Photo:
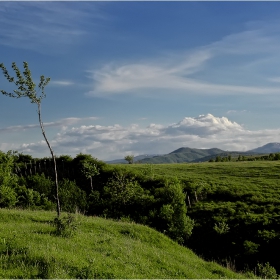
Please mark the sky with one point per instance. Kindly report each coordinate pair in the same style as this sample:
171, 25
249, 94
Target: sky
142, 77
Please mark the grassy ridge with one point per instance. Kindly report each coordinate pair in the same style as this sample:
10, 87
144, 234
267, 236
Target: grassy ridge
100, 248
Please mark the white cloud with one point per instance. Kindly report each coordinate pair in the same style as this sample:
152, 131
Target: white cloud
181, 72
203, 126
111, 142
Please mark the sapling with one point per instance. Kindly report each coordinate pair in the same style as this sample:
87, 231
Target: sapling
27, 88
89, 170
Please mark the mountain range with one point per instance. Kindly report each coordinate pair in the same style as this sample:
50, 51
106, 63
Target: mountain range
191, 155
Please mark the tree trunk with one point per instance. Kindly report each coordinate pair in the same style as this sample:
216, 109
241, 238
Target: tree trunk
54, 161
91, 183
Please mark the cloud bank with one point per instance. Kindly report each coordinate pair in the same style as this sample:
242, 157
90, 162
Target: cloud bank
115, 141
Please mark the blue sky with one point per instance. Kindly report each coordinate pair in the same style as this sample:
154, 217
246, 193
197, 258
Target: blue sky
142, 77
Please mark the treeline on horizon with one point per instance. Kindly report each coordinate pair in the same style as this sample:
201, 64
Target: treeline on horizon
237, 227
271, 156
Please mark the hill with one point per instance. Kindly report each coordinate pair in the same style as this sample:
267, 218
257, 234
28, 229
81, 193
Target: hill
268, 148
183, 155
100, 248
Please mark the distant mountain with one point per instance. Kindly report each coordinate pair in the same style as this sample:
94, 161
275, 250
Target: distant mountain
183, 155
190, 155
267, 149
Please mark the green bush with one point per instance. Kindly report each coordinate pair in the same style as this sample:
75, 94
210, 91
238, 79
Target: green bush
40, 183
65, 226
171, 217
266, 271
8, 197
72, 198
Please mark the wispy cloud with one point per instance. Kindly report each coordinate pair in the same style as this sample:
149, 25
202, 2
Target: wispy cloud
60, 123
229, 112
40, 26
274, 80
62, 83
110, 142
182, 73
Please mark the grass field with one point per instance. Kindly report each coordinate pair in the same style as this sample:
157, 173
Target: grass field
100, 248
248, 175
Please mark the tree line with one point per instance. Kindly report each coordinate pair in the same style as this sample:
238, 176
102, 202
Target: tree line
271, 156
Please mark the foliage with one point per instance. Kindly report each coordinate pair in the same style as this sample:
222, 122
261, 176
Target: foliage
8, 196
148, 171
266, 271
123, 194
129, 158
72, 198
41, 183
8, 180
221, 227
7, 175
29, 198
172, 217
65, 226
89, 170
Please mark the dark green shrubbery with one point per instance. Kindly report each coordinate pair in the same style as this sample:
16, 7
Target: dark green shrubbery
171, 211
113, 193
72, 198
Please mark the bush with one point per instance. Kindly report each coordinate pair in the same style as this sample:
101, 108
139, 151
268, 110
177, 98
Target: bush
8, 197
66, 226
41, 184
71, 197
266, 271
171, 217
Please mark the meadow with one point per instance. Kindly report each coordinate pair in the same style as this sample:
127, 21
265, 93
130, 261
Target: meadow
99, 248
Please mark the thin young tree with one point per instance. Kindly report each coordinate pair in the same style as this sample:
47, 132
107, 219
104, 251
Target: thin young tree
27, 88
89, 170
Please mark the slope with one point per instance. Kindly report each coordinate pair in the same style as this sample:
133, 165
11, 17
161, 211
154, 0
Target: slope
100, 248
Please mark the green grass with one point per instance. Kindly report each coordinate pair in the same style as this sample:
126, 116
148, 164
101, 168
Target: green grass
99, 248
249, 175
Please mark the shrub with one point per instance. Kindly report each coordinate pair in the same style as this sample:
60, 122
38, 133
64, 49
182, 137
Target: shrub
71, 196
171, 217
66, 226
8, 197
266, 271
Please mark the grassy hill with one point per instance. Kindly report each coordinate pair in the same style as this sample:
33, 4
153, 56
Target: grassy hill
99, 248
